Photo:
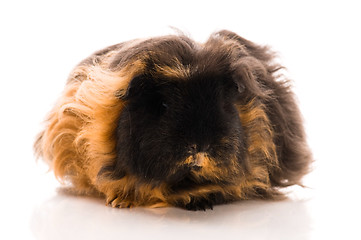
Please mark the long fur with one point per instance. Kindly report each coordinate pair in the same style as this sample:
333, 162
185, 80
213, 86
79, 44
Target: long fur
81, 138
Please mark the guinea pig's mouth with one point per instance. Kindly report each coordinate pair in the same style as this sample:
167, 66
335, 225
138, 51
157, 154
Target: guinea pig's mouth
188, 182
192, 173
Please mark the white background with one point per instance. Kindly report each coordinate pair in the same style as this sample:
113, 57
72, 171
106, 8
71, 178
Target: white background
319, 43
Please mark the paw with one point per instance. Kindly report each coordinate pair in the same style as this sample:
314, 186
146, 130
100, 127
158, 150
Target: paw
119, 202
199, 204
204, 202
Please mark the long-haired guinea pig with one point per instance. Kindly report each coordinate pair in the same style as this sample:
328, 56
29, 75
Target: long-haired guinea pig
167, 121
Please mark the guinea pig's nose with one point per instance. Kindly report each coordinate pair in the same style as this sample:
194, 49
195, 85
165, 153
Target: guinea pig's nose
198, 161
193, 149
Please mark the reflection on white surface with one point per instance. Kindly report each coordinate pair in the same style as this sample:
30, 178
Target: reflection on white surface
69, 217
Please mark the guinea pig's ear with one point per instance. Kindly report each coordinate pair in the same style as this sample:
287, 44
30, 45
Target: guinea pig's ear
240, 86
236, 85
250, 76
135, 87
253, 69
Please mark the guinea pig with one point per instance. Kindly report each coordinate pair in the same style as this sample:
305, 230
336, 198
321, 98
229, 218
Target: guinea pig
168, 121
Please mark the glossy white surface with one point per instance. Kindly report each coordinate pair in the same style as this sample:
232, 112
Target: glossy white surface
48, 213
318, 42
89, 219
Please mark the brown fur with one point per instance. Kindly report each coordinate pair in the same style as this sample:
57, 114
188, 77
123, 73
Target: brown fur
79, 136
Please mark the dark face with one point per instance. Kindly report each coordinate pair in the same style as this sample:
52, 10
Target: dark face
172, 129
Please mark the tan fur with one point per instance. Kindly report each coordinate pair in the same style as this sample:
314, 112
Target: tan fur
260, 145
177, 70
79, 137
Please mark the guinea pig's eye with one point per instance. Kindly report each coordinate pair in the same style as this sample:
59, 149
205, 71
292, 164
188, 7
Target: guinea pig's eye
161, 108
164, 105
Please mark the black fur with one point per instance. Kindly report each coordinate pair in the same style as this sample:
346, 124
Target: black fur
176, 115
